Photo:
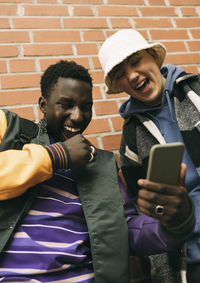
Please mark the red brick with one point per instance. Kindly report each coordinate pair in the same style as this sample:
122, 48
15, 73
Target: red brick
98, 76
194, 45
3, 67
169, 34
22, 65
32, 23
190, 69
56, 36
20, 81
126, 2
4, 23
93, 141
96, 62
189, 12
47, 49
19, 97
149, 22
195, 33
181, 59
184, 2
93, 35
93, 2
96, 92
85, 23
97, 126
45, 10
111, 142
8, 10
117, 11
159, 12
157, 2
173, 46
8, 51
188, 22
105, 107
118, 95
44, 63
86, 48
47, 1
25, 112
83, 11
18, 1
14, 36
117, 123
120, 23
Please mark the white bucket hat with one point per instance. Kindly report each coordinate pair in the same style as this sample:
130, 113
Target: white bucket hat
118, 47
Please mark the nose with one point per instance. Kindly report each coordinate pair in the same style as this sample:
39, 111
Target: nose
132, 74
76, 114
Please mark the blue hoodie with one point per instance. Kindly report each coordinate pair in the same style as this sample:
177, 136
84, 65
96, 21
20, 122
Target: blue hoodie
165, 119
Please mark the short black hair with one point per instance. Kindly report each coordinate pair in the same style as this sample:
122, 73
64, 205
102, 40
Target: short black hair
63, 69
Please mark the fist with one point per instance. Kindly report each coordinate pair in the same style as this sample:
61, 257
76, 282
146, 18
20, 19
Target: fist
80, 150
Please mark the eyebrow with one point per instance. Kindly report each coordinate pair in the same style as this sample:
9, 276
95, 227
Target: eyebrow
117, 67
134, 55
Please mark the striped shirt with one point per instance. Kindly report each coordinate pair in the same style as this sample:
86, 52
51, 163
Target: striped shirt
52, 242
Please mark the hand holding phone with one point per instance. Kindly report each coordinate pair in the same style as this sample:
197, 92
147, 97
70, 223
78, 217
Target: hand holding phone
165, 163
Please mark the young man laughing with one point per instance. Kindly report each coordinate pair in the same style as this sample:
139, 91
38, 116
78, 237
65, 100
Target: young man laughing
64, 211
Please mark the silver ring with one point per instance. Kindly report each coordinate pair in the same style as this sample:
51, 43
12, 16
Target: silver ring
91, 158
93, 149
159, 209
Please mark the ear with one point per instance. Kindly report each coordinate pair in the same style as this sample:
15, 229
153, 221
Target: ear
42, 104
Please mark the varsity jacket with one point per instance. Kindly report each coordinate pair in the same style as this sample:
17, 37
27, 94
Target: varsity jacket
100, 199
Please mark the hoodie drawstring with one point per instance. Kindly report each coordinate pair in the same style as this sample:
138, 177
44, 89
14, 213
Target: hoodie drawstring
167, 95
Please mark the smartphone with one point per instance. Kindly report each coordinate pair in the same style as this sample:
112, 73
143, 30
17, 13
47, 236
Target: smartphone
165, 163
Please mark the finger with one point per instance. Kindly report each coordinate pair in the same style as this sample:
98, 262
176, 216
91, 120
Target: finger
145, 207
155, 198
158, 187
182, 174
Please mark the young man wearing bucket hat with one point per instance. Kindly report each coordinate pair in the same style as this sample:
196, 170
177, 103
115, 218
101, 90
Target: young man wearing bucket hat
163, 107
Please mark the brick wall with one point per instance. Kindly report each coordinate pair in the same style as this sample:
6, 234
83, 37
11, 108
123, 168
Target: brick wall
37, 33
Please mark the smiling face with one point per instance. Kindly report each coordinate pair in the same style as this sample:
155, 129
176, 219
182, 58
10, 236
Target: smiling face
68, 109
140, 77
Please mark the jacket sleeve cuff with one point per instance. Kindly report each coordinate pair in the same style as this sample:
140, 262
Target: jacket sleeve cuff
59, 155
170, 231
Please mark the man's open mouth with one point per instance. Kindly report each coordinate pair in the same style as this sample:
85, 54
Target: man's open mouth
71, 129
142, 85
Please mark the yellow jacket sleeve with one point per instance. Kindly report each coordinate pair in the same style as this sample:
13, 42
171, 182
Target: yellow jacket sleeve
22, 169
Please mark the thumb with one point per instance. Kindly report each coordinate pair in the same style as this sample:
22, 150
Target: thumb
182, 174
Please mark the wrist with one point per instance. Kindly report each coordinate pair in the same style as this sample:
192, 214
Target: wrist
187, 225
59, 155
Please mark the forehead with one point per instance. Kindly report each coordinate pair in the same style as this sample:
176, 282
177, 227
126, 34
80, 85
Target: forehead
71, 88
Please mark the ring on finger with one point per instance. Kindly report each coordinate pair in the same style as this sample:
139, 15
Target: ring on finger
159, 209
91, 158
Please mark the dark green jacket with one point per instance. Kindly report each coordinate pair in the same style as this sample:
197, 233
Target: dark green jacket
102, 205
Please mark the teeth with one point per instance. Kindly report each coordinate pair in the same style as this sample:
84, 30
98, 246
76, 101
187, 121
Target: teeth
141, 84
73, 130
